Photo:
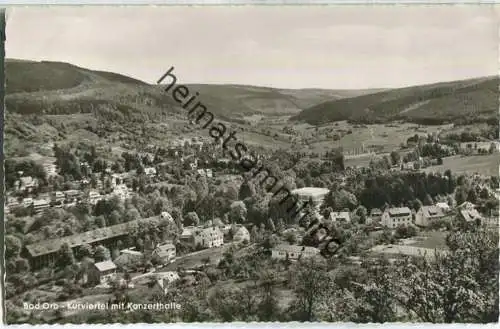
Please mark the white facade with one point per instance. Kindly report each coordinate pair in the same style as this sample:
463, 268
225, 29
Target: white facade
426, 214
340, 216
241, 235
208, 238
316, 194
394, 217
292, 252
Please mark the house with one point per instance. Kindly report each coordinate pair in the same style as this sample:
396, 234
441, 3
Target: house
58, 197
241, 235
43, 253
40, 205
27, 184
408, 166
443, 206
393, 217
27, 202
50, 169
187, 234
467, 205
150, 171
102, 272
209, 173
426, 214
11, 204
208, 238
166, 253
340, 216
165, 279
293, 252
94, 197
470, 215
166, 215
72, 195
129, 258
121, 191
375, 216
316, 194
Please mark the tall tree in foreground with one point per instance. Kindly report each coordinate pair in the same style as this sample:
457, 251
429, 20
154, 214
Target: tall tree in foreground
458, 286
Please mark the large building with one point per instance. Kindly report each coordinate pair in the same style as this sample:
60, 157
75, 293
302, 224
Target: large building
102, 272
394, 217
208, 237
293, 252
166, 252
44, 253
316, 194
426, 214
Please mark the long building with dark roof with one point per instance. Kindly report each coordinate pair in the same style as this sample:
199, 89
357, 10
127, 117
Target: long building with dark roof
44, 253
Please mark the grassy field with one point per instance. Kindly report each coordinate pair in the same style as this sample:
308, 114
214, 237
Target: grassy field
482, 164
431, 240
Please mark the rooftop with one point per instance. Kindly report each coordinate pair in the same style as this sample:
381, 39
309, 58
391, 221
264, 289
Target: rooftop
402, 211
51, 246
311, 191
105, 266
432, 211
294, 248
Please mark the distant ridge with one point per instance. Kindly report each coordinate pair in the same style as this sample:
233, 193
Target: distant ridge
456, 101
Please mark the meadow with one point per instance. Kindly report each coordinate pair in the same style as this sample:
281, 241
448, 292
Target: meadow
482, 164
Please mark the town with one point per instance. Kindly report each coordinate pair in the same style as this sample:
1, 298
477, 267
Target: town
318, 164
80, 227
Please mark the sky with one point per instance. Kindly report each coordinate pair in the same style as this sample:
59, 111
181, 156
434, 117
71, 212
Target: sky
331, 47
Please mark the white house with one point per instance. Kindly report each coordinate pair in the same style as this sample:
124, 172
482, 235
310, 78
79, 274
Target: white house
166, 215
164, 279
426, 214
293, 252
393, 217
443, 206
241, 235
340, 216
165, 252
316, 194
467, 205
40, 205
210, 237
150, 171
103, 271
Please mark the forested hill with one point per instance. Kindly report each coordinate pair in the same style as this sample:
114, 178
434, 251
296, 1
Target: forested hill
62, 88
457, 101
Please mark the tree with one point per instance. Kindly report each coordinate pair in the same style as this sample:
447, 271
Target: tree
191, 219
101, 254
247, 190
428, 200
310, 286
395, 157
238, 212
461, 285
12, 246
65, 256
472, 196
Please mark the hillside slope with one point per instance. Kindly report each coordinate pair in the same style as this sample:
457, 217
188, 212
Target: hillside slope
265, 100
62, 88
457, 101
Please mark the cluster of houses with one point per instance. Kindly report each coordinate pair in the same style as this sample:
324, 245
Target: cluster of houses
393, 217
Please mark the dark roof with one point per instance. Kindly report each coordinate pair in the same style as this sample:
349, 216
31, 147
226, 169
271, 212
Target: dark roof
51, 246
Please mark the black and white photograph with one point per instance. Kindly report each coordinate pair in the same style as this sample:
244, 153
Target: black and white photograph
222, 164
